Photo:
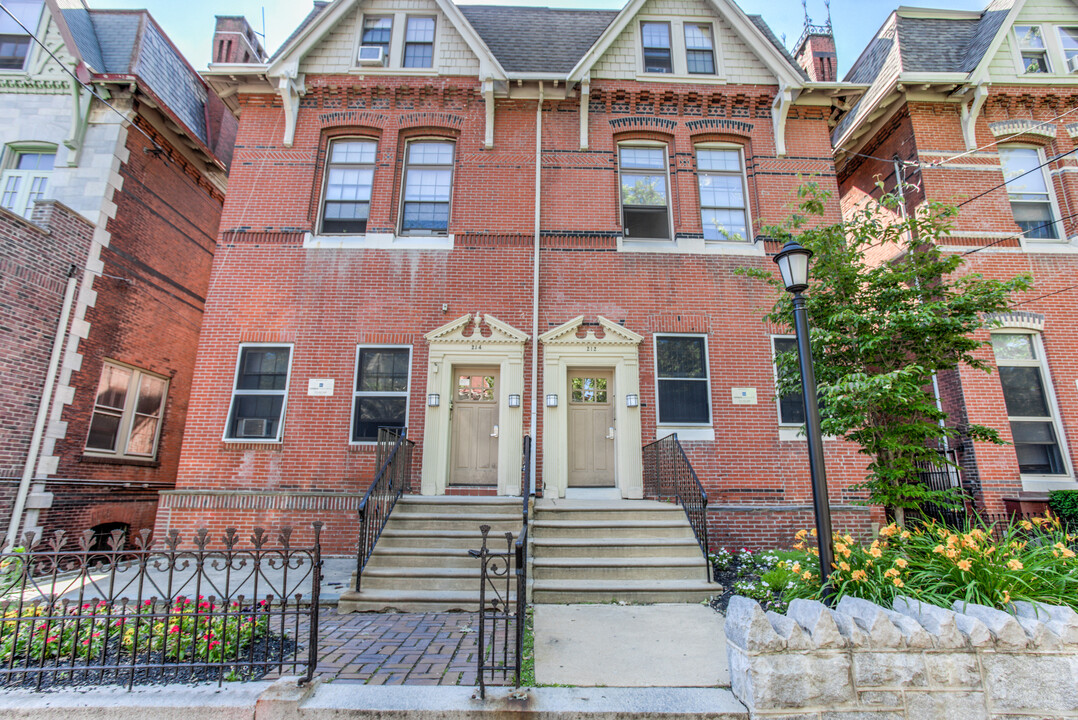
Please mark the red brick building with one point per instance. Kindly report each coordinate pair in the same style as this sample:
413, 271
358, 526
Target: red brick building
424, 228
980, 109
105, 281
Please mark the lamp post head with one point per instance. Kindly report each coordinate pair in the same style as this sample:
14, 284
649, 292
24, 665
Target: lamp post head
793, 262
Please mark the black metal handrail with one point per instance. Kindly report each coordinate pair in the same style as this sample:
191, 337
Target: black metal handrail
394, 457
668, 474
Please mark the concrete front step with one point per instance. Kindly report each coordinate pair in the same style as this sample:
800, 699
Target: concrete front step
617, 569
670, 528
455, 504
404, 519
614, 547
390, 557
631, 591
410, 600
422, 578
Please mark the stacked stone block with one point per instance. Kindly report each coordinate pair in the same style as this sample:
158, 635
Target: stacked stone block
861, 661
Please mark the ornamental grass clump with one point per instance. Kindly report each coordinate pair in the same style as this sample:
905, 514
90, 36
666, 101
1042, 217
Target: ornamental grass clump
1032, 560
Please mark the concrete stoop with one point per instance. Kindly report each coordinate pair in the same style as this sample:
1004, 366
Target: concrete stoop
284, 700
421, 561
599, 551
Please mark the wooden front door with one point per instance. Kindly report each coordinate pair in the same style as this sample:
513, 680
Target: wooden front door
591, 428
474, 426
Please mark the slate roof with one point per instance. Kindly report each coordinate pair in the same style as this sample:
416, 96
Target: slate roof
763, 27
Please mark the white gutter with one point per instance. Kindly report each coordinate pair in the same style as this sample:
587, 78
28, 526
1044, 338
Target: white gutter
535, 280
42, 412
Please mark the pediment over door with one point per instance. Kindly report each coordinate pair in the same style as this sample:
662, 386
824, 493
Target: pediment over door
613, 334
469, 329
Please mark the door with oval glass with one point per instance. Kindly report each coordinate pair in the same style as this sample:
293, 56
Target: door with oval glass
474, 426
591, 428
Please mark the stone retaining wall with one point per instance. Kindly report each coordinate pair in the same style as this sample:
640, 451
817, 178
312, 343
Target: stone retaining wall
861, 661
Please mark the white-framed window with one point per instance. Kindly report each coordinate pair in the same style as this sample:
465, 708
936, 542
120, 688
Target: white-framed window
1030, 400
380, 393
346, 200
1068, 42
418, 42
1030, 192
25, 179
655, 42
699, 48
260, 393
792, 405
643, 175
683, 383
428, 187
377, 33
724, 207
1032, 49
15, 43
127, 414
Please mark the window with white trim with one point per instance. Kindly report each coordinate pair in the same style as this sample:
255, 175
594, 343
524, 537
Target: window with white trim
26, 178
380, 397
126, 419
259, 394
419, 43
1030, 411
699, 49
1027, 181
655, 40
645, 206
1068, 41
791, 405
723, 193
681, 373
346, 203
1032, 49
377, 32
428, 187
14, 41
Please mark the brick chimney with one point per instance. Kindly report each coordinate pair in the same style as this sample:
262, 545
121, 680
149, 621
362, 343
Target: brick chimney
816, 53
235, 42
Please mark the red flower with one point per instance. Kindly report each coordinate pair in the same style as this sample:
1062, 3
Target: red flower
52, 638
174, 629
214, 644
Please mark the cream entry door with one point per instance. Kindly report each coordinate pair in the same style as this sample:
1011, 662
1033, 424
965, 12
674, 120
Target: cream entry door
591, 428
474, 426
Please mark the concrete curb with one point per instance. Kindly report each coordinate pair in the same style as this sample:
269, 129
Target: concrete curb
285, 700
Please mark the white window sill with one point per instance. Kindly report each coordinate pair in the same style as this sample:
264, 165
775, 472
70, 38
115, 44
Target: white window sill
688, 434
691, 246
1057, 247
409, 72
252, 441
1044, 483
380, 241
671, 77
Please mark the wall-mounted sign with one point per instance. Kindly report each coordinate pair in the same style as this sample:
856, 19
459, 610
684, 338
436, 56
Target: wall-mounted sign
744, 396
320, 388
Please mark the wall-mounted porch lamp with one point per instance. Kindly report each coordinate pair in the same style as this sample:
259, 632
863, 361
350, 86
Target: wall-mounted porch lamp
632, 400
552, 400
434, 400
514, 401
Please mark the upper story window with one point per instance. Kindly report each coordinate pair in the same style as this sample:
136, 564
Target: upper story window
1029, 403
655, 38
126, 419
645, 203
14, 41
26, 178
699, 49
1032, 48
259, 394
684, 391
1029, 191
1068, 40
791, 405
419, 43
723, 192
346, 201
381, 394
377, 33
428, 186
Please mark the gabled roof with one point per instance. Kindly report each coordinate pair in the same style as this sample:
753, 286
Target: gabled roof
537, 39
319, 7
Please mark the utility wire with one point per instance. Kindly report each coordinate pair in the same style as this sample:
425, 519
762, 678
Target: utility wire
1021, 234
1027, 172
1042, 297
1003, 139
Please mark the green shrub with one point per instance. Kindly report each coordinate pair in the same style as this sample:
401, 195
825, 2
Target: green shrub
1064, 503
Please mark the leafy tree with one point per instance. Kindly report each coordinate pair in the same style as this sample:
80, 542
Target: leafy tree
643, 191
881, 329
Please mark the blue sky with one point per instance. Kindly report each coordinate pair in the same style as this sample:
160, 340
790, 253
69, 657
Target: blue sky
190, 23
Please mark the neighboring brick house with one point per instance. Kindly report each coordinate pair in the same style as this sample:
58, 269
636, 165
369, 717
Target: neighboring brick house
128, 200
980, 109
384, 234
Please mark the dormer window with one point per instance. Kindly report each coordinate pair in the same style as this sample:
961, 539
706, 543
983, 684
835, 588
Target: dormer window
419, 43
699, 49
1068, 39
656, 43
14, 42
1032, 48
377, 33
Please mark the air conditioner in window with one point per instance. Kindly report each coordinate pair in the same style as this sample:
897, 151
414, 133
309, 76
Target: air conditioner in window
1072, 64
252, 427
372, 55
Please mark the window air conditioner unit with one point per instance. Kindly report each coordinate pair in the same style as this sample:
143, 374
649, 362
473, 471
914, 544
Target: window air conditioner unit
372, 55
253, 427
1072, 64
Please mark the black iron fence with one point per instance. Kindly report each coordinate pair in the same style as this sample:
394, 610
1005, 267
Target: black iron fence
502, 605
668, 475
943, 475
142, 612
394, 462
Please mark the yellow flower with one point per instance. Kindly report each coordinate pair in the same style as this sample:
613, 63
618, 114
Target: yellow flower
888, 531
938, 549
1025, 525
847, 538
1068, 553
806, 575
801, 534
796, 567
844, 566
839, 547
812, 532
905, 535
875, 552
964, 565
891, 572
898, 582
952, 540
901, 562
1006, 596
951, 553
846, 553
1015, 564
858, 575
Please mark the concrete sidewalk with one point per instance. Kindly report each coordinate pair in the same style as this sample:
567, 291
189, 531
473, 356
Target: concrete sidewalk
630, 646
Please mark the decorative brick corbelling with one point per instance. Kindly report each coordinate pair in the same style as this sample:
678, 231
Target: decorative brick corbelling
1019, 319
1005, 128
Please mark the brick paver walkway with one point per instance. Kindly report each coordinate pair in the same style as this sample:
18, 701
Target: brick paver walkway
398, 648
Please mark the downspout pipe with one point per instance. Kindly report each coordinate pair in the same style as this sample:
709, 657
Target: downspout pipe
42, 411
535, 283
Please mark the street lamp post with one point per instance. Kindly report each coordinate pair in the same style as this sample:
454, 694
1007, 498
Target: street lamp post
793, 262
